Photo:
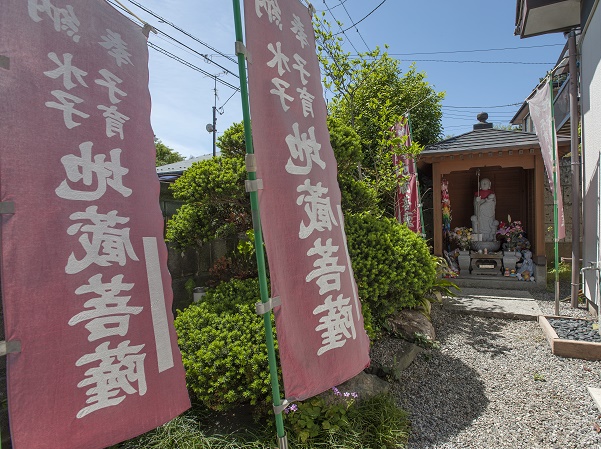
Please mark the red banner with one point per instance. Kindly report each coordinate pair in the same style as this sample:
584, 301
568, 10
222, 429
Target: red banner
406, 206
321, 337
85, 285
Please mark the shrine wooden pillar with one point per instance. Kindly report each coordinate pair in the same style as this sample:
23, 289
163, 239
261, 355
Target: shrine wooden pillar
437, 198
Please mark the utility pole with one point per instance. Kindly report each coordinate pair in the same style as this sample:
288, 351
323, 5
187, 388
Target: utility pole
212, 127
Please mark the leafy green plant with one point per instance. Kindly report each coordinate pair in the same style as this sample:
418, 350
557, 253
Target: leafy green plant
341, 420
240, 264
189, 287
564, 270
424, 341
223, 347
375, 423
310, 418
392, 265
539, 377
442, 286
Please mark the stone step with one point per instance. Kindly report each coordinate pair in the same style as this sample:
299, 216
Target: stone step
486, 283
506, 304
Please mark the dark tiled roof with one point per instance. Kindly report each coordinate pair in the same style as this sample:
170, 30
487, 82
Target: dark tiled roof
486, 139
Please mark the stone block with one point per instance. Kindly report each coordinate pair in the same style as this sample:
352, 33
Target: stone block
407, 323
405, 356
365, 385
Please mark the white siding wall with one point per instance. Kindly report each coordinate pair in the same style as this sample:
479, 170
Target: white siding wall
590, 82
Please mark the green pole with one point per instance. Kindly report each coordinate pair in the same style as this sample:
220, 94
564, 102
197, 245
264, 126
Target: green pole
256, 217
555, 208
419, 195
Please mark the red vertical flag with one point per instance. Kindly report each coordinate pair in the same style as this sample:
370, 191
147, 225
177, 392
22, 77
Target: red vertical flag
85, 286
321, 335
406, 205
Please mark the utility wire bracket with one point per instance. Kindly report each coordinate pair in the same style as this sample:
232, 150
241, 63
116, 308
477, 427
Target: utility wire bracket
10, 347
241, 49
7, 207
147, 29
254, 185
251, 162
266, 307
277, 409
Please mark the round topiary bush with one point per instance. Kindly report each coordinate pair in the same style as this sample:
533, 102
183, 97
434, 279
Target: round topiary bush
222, 341
393, 266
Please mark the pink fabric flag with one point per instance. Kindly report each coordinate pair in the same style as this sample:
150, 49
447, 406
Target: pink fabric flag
85, 285
540, 110
406, 205
321, 336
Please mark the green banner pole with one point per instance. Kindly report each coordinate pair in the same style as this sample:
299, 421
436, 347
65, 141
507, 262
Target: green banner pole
555, 208
419, 195
256, 217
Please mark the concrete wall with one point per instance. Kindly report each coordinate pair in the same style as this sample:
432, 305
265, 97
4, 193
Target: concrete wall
194, 263
590, 86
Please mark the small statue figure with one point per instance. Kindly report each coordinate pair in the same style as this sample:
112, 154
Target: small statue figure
483, 220
526, 271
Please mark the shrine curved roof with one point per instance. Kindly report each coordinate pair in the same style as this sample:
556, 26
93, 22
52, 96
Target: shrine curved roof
490, 139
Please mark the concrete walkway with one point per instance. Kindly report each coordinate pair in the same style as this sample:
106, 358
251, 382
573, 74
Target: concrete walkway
508, 304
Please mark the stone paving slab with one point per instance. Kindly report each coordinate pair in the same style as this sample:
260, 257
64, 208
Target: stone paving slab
596, 395
507, 304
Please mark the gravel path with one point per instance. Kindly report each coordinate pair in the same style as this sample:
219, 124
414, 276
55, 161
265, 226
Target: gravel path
495, 384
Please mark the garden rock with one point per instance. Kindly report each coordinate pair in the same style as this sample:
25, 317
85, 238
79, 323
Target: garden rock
365, 385
407, 323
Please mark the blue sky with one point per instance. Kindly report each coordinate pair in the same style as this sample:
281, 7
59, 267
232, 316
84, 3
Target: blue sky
442, 30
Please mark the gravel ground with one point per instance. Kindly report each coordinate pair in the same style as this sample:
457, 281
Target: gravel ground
495, 384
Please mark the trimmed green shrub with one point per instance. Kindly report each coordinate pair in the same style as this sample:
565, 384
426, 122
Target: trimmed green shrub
228, 295
393, 266
216, 204
222, 341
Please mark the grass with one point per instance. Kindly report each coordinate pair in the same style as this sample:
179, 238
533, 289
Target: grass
377, 424
564, 271
185, 432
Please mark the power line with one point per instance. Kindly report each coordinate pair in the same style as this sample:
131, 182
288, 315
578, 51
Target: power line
483, 62
340, 26
162, 19
342, 2
205, 57
474, 51
185, 48
472, 61
484, 107
467, 114
357, 29
190, 65
358, 22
